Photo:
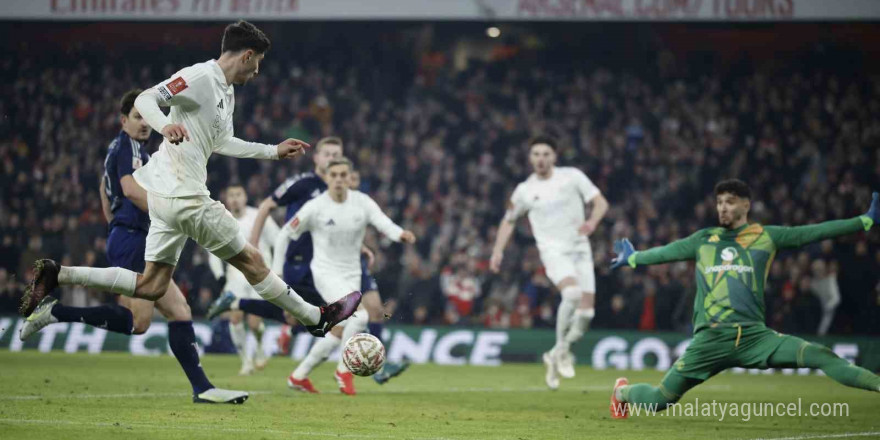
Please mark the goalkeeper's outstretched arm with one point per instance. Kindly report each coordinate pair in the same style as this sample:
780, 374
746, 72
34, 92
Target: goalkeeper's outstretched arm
679, 250
797, 236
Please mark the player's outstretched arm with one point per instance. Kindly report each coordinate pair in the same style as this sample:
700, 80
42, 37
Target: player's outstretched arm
797, 236
236, 147
385, 225
679, 250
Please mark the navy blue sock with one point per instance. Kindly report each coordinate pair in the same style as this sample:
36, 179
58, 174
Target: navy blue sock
112, 317
182, 340
375, 329
262, 308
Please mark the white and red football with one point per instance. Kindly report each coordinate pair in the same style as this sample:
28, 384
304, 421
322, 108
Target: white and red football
363, 354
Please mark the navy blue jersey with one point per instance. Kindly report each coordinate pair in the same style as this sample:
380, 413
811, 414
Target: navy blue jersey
123, 157
294, 193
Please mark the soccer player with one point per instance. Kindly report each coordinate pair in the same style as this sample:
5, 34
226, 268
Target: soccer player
294, 267
202, 102
236, 285
373, 302
126, 210
733, 260
338, 221
554, 198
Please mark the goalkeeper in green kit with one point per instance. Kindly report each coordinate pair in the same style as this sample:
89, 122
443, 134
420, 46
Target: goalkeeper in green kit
732, 263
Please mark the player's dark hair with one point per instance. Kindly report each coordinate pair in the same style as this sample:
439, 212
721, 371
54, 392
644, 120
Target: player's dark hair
329, 140
544, 139
127, 101
733, 186
242, 36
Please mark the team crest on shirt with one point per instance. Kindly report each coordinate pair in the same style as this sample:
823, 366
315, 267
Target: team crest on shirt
136, 162
330, 222
714, 239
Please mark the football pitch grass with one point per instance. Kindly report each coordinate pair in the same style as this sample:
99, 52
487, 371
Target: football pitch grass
113, 396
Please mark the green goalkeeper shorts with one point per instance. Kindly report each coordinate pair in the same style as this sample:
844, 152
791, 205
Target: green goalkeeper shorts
713, 350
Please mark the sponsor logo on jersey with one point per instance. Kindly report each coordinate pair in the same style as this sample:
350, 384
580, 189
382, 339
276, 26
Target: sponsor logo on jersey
177, 85
738, 268
729, 254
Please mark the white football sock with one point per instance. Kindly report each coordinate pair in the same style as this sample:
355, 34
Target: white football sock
355, 324
258, 333
579, 325
317, 354
274, 290
571, 296
113, 279
238, 334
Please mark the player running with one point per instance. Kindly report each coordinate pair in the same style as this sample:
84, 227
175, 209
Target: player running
554, 198
294, 263
125, 205
733, 261
235, 284
202, 102
338, 221
373, 302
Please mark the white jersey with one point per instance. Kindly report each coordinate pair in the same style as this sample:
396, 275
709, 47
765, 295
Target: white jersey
235, 280
555, 208
338, 231
203, 102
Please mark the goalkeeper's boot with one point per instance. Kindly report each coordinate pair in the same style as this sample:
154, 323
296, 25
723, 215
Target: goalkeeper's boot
619, 410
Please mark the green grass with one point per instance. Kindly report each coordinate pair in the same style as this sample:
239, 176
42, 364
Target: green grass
113, 396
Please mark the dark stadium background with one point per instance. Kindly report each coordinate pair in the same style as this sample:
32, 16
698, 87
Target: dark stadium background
435, 116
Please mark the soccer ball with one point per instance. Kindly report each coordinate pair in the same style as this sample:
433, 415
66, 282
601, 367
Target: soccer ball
363, 354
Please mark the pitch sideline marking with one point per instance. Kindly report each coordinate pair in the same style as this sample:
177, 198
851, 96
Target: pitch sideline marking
165, 426
806, 437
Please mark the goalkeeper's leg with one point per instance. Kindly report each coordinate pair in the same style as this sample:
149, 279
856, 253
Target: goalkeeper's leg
797, 353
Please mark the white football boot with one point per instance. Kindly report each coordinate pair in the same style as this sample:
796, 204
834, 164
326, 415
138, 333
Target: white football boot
39, 318
552, 376
564, 363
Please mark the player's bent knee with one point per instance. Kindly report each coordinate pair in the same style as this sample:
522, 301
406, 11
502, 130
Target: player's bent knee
140, 325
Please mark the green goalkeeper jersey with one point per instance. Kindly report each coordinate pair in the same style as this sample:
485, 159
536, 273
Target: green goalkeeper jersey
733, 264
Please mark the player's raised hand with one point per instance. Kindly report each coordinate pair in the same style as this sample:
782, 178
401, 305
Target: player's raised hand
874, 210
408, 237
291, 148
495, 262
623, 248
175, 133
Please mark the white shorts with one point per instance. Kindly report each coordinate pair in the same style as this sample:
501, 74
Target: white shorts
333, 286
174, 219
577, 265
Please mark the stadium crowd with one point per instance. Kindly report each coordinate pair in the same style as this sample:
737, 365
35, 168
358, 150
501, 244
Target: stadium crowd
441, 149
